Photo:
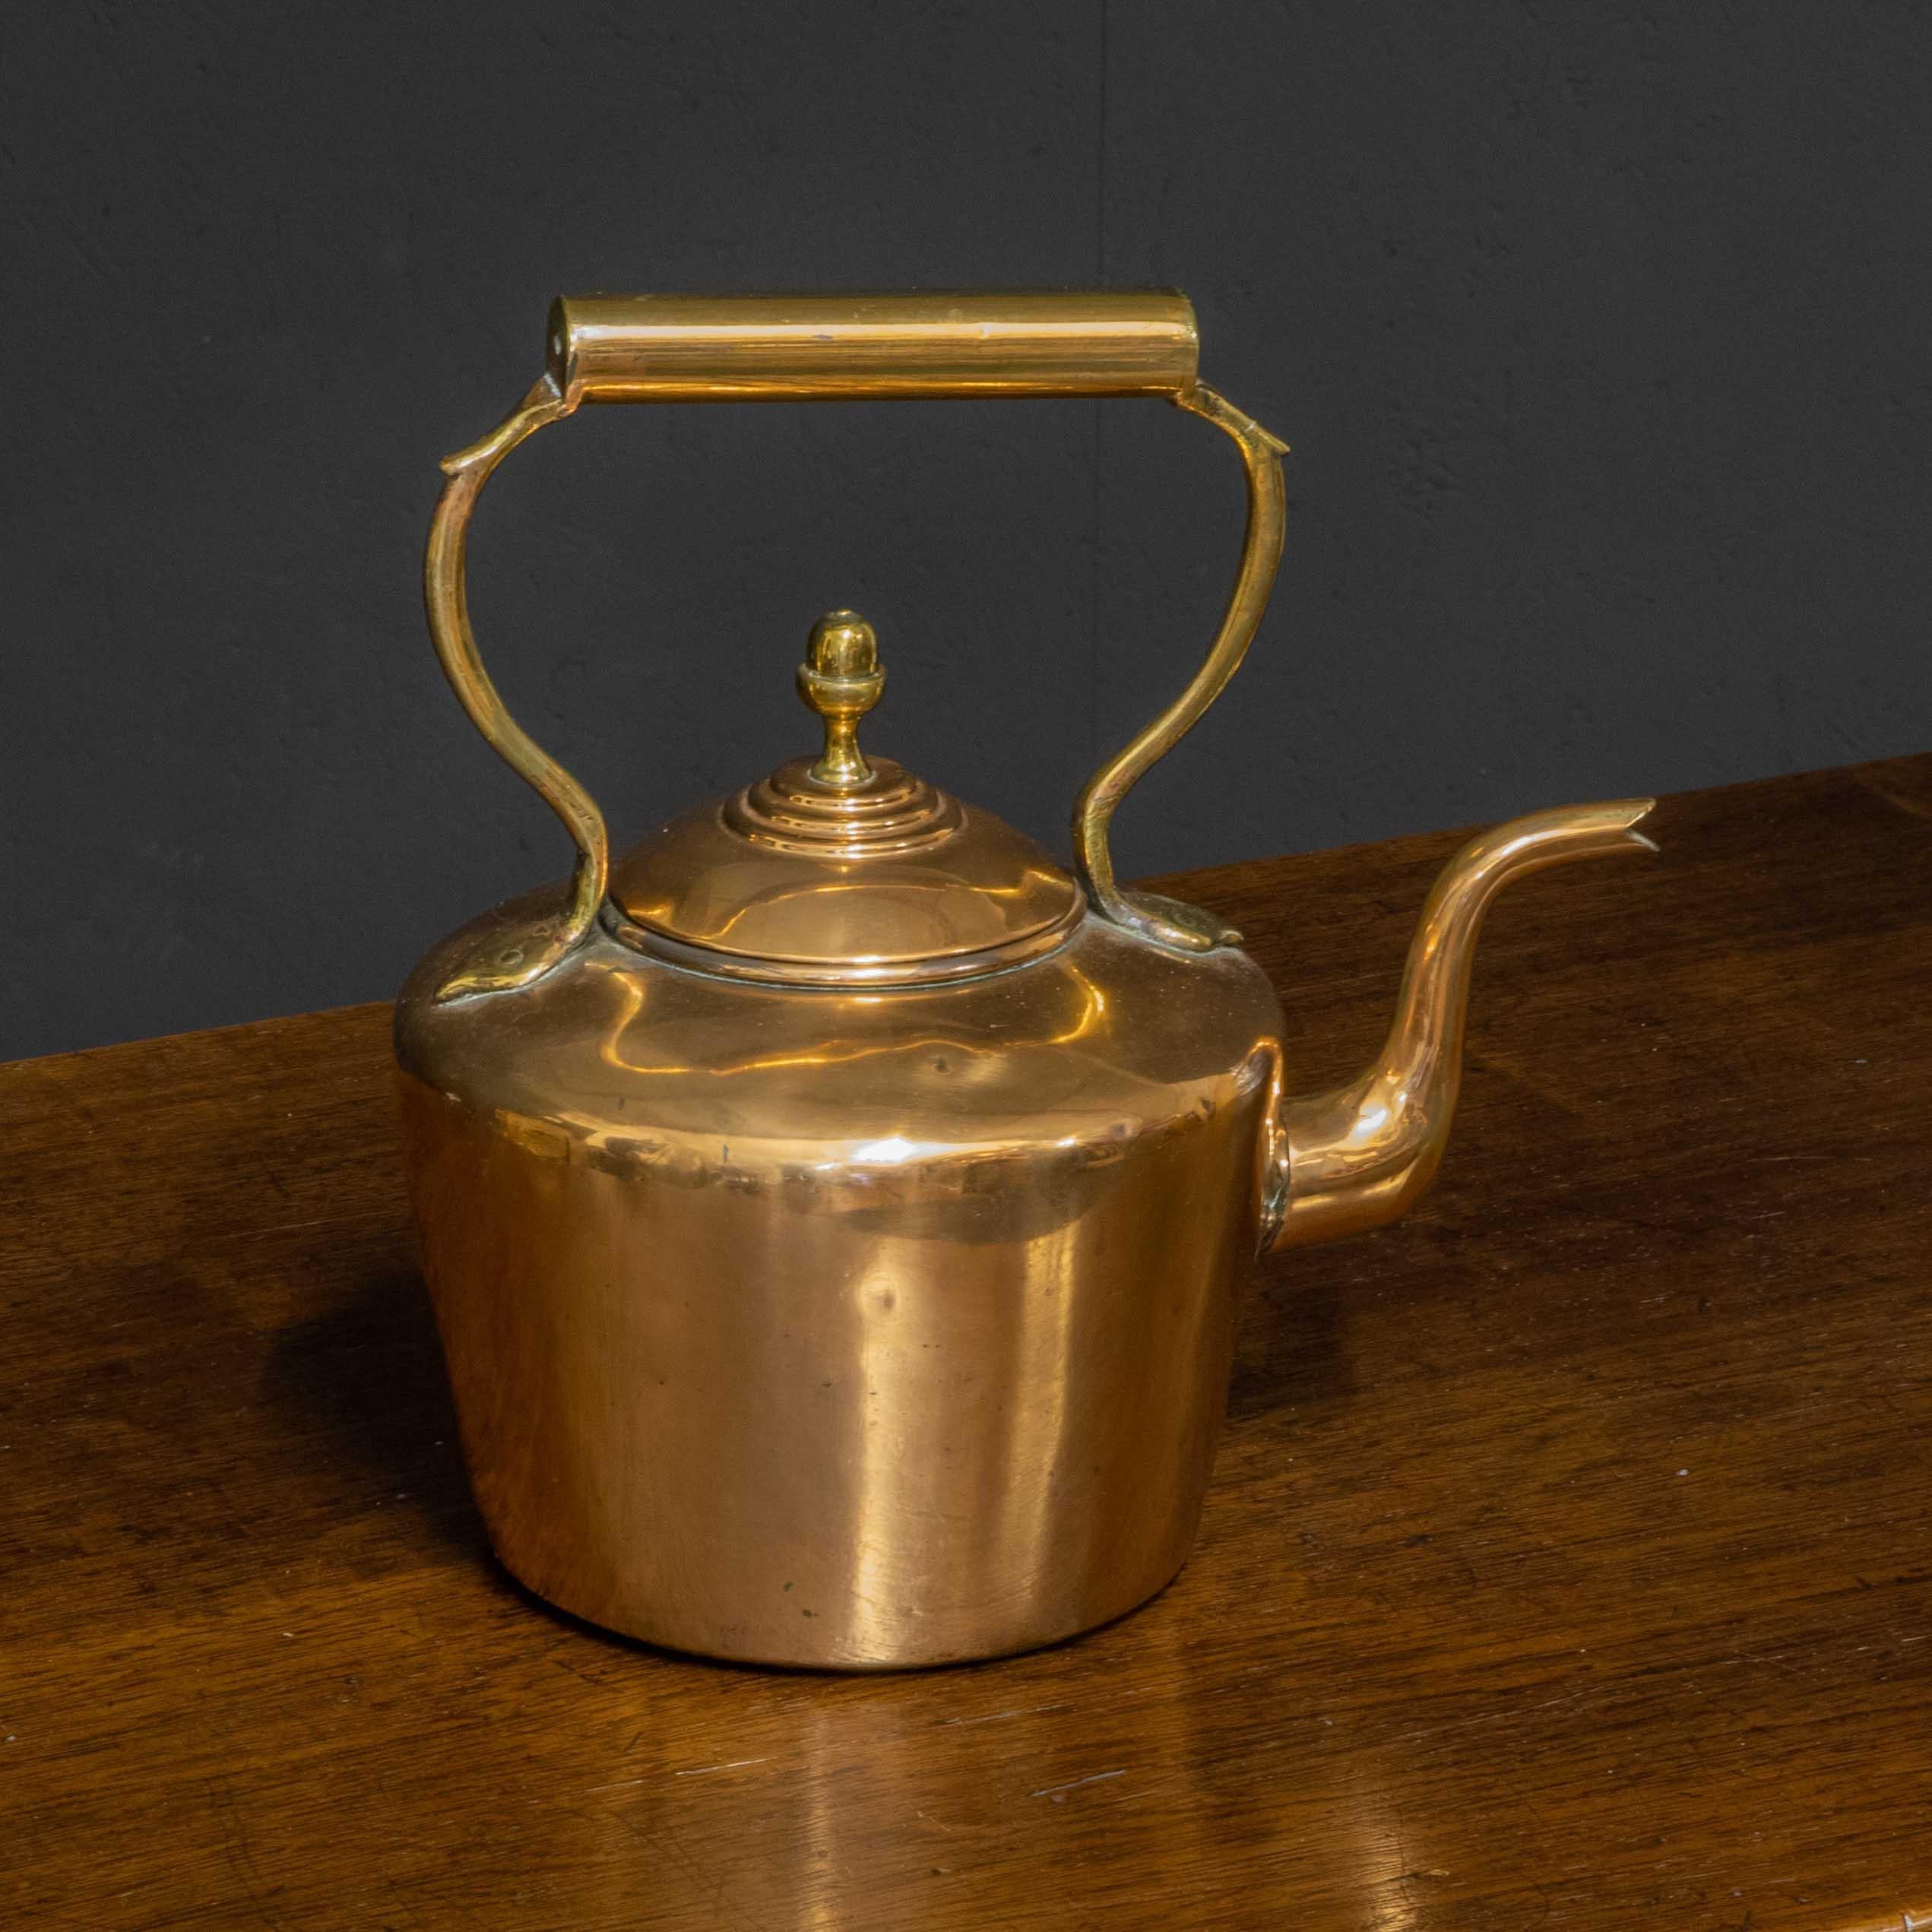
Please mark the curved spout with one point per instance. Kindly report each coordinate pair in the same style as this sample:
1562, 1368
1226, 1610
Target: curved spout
1359, 1155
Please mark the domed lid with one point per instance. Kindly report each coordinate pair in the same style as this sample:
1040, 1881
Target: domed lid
841, 870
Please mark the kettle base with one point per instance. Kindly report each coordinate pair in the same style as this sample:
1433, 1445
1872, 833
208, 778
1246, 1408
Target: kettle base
817, 1657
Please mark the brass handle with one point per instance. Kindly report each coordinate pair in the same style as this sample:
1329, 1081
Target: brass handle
653, 348
763, 348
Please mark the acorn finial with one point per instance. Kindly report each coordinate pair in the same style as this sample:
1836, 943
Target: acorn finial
840, 680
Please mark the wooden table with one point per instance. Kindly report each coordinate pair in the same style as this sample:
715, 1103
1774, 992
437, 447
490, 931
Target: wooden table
1569, 1563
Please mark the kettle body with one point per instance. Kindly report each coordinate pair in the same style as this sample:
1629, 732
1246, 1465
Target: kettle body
837, 1329
837, 1212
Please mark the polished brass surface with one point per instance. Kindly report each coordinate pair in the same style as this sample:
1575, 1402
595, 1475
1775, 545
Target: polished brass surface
887, 814
1358, 1155
1261, 557
843, 871
889, 882
739, 348
842, 1328
836, 1211
840, 680
446, 598
668, 348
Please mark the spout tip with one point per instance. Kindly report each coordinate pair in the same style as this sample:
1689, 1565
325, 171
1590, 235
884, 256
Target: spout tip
1632, 812
1543, 838
1620, 811
1577, 830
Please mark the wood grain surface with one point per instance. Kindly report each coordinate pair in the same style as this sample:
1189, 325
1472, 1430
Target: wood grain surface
1568, 1563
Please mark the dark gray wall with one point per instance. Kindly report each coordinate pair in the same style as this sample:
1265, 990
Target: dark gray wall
1599, 330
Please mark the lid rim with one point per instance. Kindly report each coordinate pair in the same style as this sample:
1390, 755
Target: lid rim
803, 974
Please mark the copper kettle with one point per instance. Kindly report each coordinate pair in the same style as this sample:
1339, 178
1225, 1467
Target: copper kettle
836, 1211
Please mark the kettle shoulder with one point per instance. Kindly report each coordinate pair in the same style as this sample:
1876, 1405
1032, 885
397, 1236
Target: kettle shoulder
1110, 1035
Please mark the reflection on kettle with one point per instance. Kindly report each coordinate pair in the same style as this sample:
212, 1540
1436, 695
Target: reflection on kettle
836, 1211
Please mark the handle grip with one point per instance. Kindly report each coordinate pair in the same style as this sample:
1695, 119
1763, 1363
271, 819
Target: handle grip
750, 348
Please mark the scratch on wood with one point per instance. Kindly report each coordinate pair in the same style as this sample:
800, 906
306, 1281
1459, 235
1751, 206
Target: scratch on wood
994, 1717
694, 1771
1099, 1777
1497, 1716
